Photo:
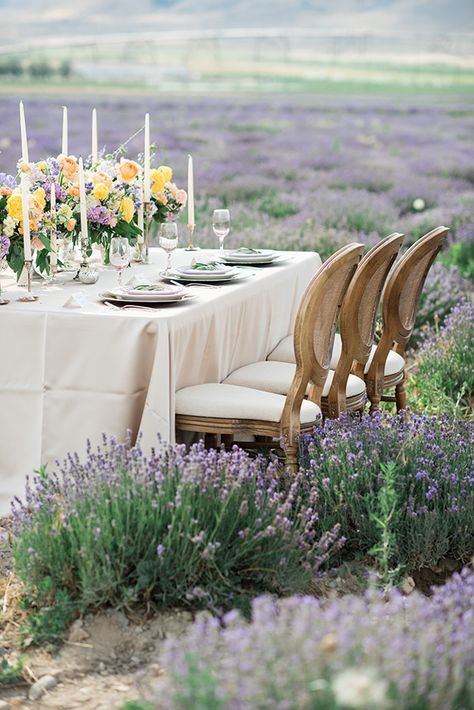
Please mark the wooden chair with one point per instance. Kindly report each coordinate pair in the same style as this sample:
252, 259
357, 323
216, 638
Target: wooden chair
386, 365
357, 324
226, 409
342, 391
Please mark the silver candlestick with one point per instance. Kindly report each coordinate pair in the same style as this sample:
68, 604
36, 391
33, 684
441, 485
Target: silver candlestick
191, 246
87, 273
28, 297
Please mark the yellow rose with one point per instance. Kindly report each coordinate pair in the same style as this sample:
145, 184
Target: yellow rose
128, 208
101, 191
128, 170
101, 176
40, 197
157, 182
43, 166
14, 207
163, 199
166, 172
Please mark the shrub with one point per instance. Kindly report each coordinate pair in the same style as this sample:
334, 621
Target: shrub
202, 528
354, 652
444, 288
423, 463
445, 373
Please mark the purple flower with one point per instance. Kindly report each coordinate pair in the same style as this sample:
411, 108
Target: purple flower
4, 246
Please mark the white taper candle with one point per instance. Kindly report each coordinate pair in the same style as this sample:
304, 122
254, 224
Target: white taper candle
146, 159
83, 206
94, 136
190, 191
25, 198
24, 138
141, 237
52, 201
64, 146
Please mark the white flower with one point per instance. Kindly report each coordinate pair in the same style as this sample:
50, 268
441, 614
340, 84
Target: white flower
360, 688
419, 204
9, 226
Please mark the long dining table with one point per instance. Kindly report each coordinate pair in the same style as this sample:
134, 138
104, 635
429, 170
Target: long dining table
74, 368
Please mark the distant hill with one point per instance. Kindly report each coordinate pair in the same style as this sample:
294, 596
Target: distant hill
33, 18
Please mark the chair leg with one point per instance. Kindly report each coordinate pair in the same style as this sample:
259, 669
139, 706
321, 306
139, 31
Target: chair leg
374, 403
291, 455
401, 396
210, 441
227, 440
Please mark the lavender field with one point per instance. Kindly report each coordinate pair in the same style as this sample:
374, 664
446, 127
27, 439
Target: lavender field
296, 172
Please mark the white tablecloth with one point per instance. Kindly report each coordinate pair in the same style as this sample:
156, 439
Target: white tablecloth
70, 374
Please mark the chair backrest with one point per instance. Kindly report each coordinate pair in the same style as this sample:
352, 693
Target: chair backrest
315, 326
405, 284
359, 310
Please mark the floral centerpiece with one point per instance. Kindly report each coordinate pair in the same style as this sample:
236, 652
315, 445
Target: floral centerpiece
113, 199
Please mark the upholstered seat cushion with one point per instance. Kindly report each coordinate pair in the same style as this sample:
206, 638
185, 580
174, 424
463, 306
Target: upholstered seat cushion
226, 401
273, 376
284, 353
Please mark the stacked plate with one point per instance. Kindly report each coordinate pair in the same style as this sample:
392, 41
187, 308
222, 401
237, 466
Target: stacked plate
252, 257
147, 293
203, 272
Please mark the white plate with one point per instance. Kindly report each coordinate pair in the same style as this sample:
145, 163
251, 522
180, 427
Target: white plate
243, 257
220, 270
131, 298
204, 276
237, 275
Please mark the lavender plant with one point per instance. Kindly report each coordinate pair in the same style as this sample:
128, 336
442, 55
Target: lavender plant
445, 369
431, 479
367, 652
202, 528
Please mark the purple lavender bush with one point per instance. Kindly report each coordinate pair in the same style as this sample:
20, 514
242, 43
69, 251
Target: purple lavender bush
412, 477
197, 528
369, 652
444, 381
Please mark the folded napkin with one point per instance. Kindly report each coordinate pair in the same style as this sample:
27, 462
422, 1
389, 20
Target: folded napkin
77, 300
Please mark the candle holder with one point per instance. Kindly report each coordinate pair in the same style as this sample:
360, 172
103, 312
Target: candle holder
144, 247
87, 273
28, 297
53, 264
191, 246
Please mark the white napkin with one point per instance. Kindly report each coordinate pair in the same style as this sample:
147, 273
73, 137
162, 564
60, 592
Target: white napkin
77, 300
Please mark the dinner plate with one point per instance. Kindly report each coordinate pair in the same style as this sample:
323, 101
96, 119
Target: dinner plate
164, 292
276, 259
194, 275
131, 298
249, 257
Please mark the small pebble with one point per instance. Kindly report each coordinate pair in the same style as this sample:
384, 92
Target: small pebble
4, 705
46, 682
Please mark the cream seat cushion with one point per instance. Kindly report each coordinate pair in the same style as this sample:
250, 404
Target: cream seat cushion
273, 376
230, 402
284, 353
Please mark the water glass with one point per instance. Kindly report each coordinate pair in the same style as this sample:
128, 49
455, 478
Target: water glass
221, 226
119, 255
168, 241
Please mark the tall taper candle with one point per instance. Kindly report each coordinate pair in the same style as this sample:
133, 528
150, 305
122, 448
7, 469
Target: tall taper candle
25, 196
94, 136
82, 198
141, 237
54, 244
190, 191
146, 159
24, 139
64, 147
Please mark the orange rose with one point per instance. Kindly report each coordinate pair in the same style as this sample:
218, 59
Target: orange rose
25, 167
71, 224
5, 191
163, 199
69, 167
100, 176
36, 243
74, 190
127, 170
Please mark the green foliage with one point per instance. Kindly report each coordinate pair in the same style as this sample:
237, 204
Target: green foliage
461, 254
386, 519
50, 612
198, 690
137, 705
444, 381
205, 529
273, 205
10, 673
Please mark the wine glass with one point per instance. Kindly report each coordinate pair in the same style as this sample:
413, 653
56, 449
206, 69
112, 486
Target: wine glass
168, 241
119, 255
221, 226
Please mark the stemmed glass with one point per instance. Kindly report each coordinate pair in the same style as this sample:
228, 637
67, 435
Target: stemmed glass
168, 241
119, 255
221, 226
